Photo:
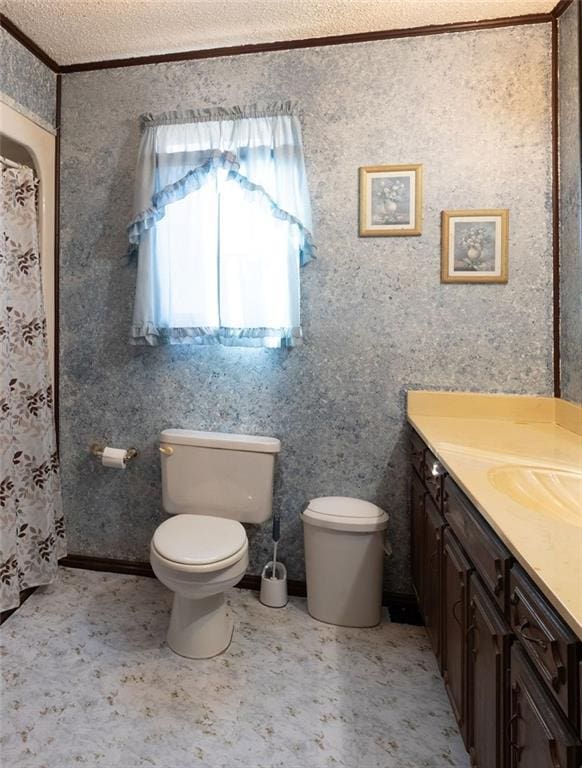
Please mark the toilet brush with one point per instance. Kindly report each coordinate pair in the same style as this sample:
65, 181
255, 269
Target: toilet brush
274, 575
276, 537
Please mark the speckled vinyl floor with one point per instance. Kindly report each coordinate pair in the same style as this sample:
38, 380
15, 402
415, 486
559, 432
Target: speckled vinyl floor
88, 681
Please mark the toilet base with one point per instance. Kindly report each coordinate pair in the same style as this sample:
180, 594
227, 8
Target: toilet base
199, 629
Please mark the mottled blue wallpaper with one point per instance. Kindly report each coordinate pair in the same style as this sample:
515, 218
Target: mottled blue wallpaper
376, 318
570, 205
26, 80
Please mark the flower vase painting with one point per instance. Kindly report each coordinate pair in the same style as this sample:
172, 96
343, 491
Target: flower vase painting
390, 200
474, 246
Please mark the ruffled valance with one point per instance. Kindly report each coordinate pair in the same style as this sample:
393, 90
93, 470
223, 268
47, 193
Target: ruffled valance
193, 180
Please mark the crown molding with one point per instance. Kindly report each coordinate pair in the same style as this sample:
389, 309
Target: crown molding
282, 45
310, 42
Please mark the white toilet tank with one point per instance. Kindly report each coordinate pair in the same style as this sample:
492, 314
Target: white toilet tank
213, 473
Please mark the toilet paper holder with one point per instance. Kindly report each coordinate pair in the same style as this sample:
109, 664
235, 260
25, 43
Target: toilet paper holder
97, 450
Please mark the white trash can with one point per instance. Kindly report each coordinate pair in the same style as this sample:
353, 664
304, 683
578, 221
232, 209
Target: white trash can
344, 558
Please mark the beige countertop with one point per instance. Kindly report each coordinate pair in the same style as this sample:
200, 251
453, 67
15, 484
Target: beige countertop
472, 435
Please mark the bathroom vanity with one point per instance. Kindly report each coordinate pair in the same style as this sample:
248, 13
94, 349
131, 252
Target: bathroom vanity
497, 567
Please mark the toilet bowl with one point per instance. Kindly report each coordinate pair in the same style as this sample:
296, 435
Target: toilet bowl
199, 557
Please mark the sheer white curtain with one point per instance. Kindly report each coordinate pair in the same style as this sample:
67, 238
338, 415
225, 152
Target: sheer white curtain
223, 224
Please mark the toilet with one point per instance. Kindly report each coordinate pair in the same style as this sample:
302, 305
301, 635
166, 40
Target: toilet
211, 483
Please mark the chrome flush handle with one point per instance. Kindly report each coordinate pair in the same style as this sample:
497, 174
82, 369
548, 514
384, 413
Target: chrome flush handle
167, 450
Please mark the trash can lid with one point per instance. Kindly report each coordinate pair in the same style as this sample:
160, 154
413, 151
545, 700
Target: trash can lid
342, 513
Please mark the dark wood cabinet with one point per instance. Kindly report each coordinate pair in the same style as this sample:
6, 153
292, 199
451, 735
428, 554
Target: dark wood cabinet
488, 645
539, 735
417, 495
427, 524
432, 574
456, 569
511, 667
550, 645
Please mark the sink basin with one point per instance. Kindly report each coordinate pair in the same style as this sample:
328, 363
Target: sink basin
551, 492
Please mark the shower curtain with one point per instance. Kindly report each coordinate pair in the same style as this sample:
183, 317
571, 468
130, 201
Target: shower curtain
32, 535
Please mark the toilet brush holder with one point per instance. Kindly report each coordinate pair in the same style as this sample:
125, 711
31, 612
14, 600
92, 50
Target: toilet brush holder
274, 586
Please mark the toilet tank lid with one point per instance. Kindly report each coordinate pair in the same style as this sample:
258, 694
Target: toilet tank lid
222, 440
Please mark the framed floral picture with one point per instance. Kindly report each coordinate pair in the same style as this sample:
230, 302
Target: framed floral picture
474, 246
390, 200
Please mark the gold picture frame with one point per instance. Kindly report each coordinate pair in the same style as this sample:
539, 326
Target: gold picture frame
474, 247
390, 200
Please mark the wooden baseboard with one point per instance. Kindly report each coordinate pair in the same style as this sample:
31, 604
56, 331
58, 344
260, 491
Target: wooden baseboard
403, 608
111, 565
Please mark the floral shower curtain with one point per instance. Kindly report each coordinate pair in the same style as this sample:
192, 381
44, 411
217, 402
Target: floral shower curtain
32, 535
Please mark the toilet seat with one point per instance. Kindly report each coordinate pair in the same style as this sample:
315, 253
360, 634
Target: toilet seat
200, 541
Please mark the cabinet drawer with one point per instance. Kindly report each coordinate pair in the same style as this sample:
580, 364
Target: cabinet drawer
417, 451
490, 557
539, 736
550, 644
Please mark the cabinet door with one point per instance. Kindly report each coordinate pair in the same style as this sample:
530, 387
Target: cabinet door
539, 735
488, 642
432, 574
455, 584
417, 494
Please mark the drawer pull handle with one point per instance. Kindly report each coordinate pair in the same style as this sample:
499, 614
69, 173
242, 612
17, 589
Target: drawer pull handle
498, 588
560, 677
454, 611
474, 645
510, 734
513, 719
530, 638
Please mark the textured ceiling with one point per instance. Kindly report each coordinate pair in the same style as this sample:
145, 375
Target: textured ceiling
75, 31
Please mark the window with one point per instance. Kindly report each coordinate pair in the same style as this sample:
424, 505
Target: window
222, 224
